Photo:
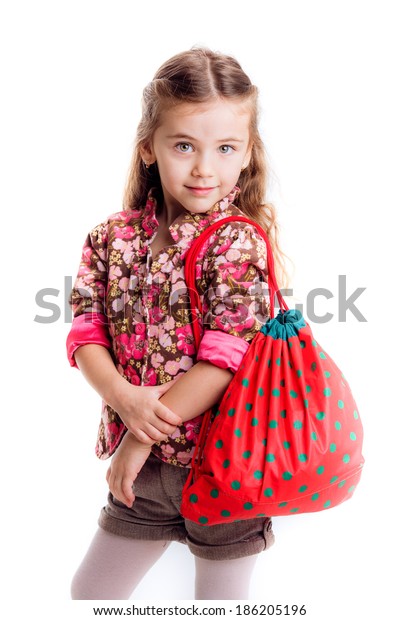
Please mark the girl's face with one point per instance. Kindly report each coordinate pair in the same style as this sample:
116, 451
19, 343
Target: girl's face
200, 151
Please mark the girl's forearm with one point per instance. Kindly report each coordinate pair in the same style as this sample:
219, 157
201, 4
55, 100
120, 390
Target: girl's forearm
193, 393
98, 368
197, 390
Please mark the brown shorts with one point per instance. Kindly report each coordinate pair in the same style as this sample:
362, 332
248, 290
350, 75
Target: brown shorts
155, 516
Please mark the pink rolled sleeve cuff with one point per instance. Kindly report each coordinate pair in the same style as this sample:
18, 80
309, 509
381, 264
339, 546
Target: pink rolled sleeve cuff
89, 328
222, 350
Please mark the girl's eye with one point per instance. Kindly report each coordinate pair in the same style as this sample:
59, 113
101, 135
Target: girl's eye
225, 149
184, 147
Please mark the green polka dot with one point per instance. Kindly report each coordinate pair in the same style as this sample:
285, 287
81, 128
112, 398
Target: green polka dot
260, 391
258, 474
341, 484
320, 415
314, 436
235, 485
246, 454
248, 506
302, 344
278, 361
346, 458
333, 479
254, 422
314, 343
353, 436
303, 488
327, 374
315, 497
287, 475
219, 443
340, 404
298, 425
270, 458
332, 447
273, 424
320, 470
290, 344
238, 432
322, 355
308, 389
290, 364
269, 363
231, 412
355, 414
351, 489
327, 391
217, 414
302, 458
338, 426
193, 498
268, 492
282, 382
257, 358
299, 373
306, 403
282, 505
214, 493
245, 382
249, 406
293, 394
203, 520
283, 413
327, 504
286, 445
226, 463
225, 513
276, 392
294, 509
313, 366
264, 442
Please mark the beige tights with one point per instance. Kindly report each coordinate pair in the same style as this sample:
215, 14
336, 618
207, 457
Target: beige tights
114, 566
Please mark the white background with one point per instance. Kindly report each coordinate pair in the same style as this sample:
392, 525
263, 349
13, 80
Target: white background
72, 76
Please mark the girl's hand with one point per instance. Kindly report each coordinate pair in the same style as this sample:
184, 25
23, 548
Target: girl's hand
126, 463
142, 413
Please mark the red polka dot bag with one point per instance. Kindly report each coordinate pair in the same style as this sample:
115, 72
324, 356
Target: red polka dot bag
287, 437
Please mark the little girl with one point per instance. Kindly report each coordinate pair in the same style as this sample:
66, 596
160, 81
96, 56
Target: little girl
198, 158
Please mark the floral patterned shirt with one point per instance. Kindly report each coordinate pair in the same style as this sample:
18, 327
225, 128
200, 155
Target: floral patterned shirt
137, 305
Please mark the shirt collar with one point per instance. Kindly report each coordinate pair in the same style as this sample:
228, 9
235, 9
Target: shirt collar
188, 225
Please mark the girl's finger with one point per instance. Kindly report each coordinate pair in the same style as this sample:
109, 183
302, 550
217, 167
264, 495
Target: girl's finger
167, 415
164, 427
127, 491
155, 433
144, 437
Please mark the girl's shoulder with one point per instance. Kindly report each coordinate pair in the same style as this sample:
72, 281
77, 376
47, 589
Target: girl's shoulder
235, 242
236, 234
124, 224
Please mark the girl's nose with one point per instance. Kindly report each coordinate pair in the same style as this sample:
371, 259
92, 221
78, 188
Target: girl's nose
202, 167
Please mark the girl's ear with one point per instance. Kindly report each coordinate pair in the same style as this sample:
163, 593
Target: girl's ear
146, 153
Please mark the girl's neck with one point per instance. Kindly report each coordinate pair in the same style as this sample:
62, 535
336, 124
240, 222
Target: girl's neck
168, 214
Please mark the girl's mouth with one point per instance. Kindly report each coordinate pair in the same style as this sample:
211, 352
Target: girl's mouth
199, 191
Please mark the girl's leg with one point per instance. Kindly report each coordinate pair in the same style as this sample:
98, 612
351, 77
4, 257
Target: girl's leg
113, 566
224, 579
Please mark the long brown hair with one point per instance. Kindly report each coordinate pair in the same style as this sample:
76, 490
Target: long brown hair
197, 76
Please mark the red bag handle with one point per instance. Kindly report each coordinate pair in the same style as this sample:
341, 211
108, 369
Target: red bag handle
190, 278
190, 275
